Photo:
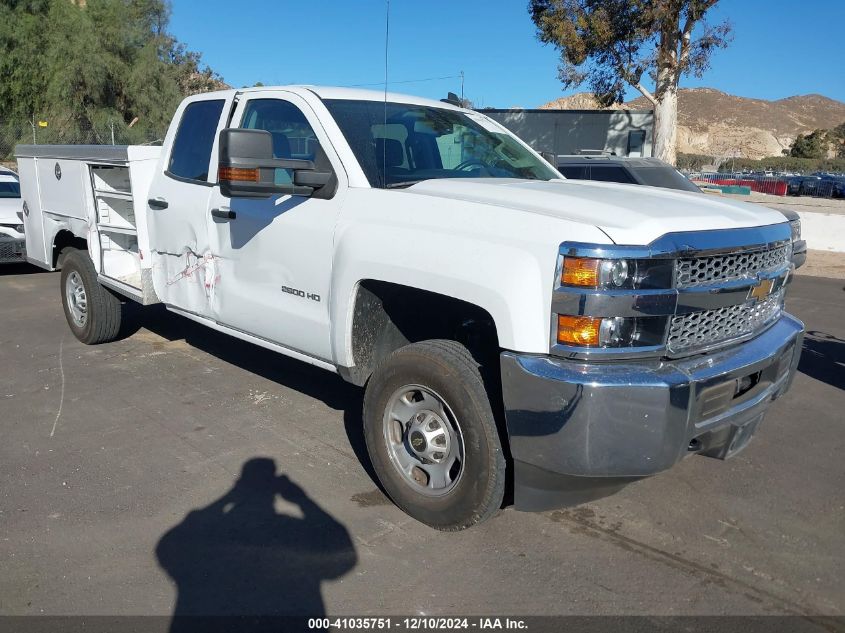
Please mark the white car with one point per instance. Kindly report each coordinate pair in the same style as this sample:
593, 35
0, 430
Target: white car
12, 244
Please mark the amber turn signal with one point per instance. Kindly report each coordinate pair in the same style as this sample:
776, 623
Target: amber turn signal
580, 271
238, 174
578, 330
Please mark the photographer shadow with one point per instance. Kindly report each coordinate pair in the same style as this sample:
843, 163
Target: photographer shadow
823, 358
238, 557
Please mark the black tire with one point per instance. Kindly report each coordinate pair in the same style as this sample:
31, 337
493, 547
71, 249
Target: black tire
103, 309
67, 250
448, 369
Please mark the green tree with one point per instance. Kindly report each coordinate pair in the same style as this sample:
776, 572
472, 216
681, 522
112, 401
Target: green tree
611, 44
837, 137
88, 65
813, 145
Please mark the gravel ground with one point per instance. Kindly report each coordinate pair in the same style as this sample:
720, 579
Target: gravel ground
824, 264
794, 203
180, 470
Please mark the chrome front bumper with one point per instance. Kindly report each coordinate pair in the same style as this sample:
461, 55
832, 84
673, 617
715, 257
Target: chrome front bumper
582, 429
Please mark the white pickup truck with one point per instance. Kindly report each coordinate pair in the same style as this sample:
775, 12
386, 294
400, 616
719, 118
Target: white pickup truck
512, 328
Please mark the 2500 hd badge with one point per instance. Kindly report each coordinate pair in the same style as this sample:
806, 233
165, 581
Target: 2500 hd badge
301, 293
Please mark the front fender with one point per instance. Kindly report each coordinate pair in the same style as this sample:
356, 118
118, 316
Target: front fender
500, 260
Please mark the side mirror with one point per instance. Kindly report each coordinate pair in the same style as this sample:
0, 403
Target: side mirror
550, 158
247, 168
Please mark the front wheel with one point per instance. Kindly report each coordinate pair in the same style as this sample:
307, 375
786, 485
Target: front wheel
92, 312
431, 435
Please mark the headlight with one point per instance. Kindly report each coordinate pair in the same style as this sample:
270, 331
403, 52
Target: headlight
581, 275
19, 228
588, 272
795, 227
584, 331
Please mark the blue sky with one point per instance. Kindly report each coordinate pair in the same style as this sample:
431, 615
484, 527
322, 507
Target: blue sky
781, 48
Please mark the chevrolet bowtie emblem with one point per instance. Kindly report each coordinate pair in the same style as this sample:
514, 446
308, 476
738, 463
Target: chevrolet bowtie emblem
761, 290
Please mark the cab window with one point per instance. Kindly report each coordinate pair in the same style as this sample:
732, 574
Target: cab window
191, 153
293, 136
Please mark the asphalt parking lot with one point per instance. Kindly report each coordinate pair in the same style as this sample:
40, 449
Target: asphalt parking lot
179, 461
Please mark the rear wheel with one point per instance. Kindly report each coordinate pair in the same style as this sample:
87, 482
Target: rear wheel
431, 435
92, 312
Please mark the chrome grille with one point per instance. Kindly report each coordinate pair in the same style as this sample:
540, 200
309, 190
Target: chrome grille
702, 329
717, 269
11, 251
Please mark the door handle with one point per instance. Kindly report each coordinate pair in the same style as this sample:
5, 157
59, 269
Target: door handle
224, 214
157, 203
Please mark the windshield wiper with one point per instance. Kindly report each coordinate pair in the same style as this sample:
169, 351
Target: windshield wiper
404, 183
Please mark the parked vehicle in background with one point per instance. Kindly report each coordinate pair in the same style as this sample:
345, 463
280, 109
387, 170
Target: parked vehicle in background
797, 185
817, 185
812, 186
12, 241
651, 172
507, 325
831, 186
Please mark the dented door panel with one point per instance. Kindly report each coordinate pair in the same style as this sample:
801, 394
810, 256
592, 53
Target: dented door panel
184, 266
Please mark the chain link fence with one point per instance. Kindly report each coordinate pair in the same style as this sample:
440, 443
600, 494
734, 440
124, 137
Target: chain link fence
47, 132
817, 185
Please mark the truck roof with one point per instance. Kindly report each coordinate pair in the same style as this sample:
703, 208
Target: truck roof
352, 94
633, 161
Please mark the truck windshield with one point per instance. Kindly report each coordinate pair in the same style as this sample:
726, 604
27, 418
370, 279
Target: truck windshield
400, 144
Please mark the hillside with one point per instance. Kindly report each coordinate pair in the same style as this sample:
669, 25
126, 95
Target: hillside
578, 101
716, 123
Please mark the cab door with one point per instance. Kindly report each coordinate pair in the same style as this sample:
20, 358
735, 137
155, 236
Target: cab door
184, 263
275, 254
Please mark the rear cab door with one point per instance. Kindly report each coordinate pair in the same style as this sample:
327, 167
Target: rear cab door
184, 265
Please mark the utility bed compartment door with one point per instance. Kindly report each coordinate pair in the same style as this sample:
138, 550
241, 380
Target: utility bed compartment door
64, 186
33, 221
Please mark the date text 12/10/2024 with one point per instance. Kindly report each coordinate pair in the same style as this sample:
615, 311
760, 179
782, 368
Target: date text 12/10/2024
417, 623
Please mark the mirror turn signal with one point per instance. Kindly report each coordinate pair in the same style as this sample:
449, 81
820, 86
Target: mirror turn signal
238, 174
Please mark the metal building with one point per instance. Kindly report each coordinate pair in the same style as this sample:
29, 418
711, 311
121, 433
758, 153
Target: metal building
619, 132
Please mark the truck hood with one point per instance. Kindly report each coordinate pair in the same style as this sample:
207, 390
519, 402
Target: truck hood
628, 214
9, 208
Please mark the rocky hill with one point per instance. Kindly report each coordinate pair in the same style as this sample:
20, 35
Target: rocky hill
715, 123
578, 101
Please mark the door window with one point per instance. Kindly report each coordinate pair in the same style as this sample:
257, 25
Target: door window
636, 142
575, 172
293, 136
191, 153
610, 173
